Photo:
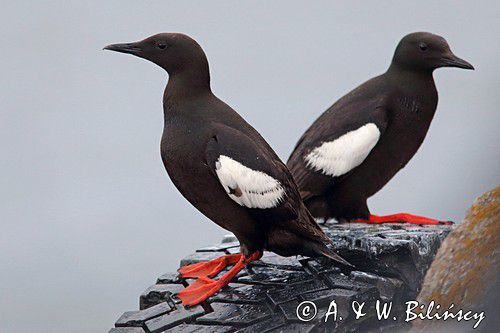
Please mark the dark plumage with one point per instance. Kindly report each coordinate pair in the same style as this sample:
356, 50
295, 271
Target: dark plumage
354, 148
222, 165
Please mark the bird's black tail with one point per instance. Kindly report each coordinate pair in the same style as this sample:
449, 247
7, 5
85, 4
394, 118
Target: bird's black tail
302, 236
325, 248
326, 251
287, 243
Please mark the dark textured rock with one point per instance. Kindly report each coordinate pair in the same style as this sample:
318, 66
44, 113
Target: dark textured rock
201, 256
235, 314
397, 250
293, 291
137, 318
317, 268
169, 278
193, 328
390, 260
173, 318
159, 293
289, 309
241, 293
390, 289
269, 325
270, 259
127, 330
268, 277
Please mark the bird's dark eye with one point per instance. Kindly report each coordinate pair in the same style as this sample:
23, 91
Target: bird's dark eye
161, 45
422, 46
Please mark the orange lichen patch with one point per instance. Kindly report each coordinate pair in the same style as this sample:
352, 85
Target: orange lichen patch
467, 264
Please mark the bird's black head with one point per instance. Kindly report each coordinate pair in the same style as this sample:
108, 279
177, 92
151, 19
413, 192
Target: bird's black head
174, 52
425, 51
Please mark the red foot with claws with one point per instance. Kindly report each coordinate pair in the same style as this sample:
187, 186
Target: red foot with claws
402, 218
209, 268
205, 287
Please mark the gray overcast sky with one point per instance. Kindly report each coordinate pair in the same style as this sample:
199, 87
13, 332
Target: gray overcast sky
89, 218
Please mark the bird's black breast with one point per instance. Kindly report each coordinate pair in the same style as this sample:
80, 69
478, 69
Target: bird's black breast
182, 155
410, 116
408, 105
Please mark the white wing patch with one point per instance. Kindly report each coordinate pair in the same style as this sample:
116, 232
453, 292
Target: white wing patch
335, 158
249, 188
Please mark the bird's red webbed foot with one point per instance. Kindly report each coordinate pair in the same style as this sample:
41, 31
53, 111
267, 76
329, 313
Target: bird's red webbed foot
402, 218
209, 268
205, 287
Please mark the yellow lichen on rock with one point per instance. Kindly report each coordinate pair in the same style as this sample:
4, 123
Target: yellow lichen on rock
466, 266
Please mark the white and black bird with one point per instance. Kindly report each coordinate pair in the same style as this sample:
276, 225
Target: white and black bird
354, 148
222, 166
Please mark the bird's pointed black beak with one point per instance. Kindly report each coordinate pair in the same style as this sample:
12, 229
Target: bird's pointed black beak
454, 61
131, 48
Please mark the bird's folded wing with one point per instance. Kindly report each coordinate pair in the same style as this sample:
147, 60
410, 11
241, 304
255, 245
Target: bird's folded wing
338, 156
250, 172
336, 144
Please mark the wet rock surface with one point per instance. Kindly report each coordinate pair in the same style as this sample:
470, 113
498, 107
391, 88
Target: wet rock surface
391, 261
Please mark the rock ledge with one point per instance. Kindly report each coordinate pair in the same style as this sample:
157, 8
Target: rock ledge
390, 260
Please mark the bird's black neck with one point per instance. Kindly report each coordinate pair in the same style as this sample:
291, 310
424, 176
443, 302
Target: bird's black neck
409, 77
188, 82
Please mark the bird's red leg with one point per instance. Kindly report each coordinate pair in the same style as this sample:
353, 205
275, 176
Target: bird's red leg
205, 287
401, 218
209, 268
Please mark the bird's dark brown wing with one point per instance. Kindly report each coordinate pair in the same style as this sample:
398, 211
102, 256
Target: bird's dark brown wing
335, 143
254, 177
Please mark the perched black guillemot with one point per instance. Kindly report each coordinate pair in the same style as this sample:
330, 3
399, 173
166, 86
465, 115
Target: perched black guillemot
356, 146
222, 166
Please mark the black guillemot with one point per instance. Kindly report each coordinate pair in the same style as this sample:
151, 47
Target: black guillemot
224, 168
356, 146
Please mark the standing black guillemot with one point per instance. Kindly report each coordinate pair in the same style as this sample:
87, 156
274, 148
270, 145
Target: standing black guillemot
354, 148
222, 166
